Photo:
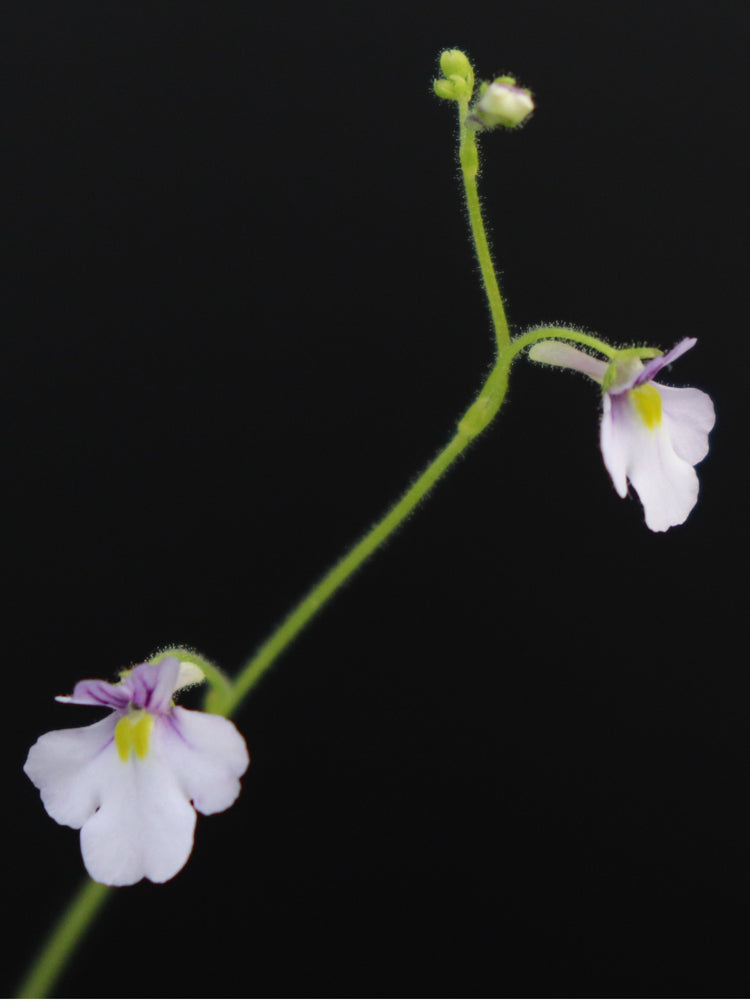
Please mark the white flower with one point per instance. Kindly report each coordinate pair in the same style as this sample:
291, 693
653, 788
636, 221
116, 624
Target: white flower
651, 434
502, 103
132, 781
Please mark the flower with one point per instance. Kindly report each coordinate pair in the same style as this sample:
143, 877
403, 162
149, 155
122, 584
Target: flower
651, 434
133, 781
502, 103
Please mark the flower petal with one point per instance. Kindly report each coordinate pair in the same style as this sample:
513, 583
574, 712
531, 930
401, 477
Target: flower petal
96, 692
655, 365
66, 765
689, 416
613, 440
144, 826
151, 685
666, 484
207, 755
148, 685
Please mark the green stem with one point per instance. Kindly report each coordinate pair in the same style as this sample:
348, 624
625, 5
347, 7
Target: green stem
340, 573
473, 422
66, 934
469, 158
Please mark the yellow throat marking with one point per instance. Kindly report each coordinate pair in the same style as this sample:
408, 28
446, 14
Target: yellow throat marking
647, 401
132, 732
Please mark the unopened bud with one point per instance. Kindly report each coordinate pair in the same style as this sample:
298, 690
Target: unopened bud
502, 103
445, 89
458, 81
453, 62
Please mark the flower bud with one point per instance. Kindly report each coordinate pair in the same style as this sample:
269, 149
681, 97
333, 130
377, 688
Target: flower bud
445, 89
502, 103
453, 62
458, 81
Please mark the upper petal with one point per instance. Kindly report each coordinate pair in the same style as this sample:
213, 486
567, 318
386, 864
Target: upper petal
655, 365
148, 685
151, 685
207, 754
69, 767
96, 692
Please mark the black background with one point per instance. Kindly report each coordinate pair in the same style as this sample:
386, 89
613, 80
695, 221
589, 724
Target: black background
241, 313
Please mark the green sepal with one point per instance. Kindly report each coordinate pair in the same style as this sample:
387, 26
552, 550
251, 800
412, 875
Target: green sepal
445, 89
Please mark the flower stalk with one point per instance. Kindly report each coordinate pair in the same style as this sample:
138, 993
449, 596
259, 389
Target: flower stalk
66, 935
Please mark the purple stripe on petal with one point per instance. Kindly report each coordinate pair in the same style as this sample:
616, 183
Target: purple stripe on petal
151, 685
138, 687
96, 692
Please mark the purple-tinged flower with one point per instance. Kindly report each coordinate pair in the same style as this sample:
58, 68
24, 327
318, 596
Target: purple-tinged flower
132, 781
501, 102
651, 434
